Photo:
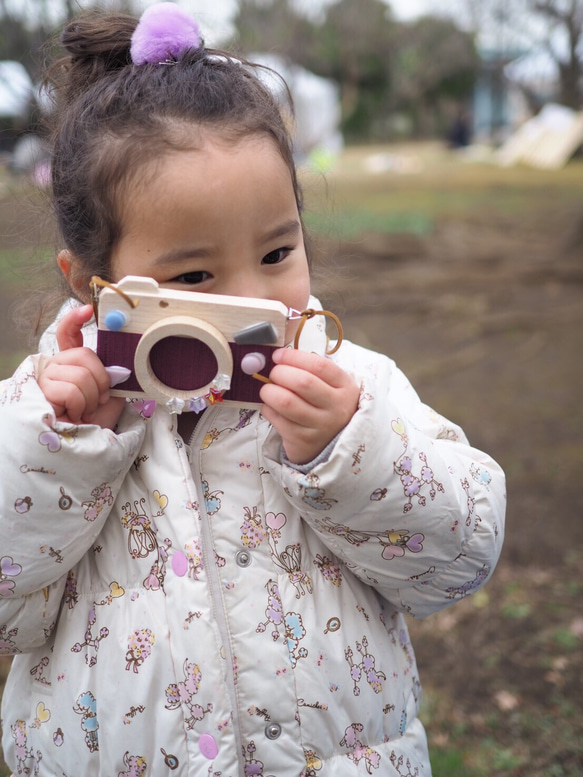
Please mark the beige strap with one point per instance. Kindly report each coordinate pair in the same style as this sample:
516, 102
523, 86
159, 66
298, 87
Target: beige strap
97, 281
310, 313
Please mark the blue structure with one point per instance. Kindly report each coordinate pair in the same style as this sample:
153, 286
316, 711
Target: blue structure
493, 109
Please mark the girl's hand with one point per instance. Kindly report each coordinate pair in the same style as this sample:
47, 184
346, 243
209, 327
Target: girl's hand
309, 400
74, 381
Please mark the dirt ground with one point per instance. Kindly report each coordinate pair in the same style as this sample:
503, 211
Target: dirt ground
485, 315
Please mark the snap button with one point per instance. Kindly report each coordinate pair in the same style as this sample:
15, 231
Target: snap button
179, 563
208, 746
243, 558
272, 730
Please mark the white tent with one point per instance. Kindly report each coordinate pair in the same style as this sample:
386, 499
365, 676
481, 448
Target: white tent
16, 90
546, 141
316, 102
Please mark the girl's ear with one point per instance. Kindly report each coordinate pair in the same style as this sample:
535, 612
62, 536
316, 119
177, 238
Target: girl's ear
65, 260
70, 266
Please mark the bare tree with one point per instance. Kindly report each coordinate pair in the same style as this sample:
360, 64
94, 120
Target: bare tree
273, 26
555, 25
566, 18
351, 44
26, 26
436, 64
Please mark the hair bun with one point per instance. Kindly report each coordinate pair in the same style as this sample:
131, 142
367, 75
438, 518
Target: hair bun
97, 35
95, 44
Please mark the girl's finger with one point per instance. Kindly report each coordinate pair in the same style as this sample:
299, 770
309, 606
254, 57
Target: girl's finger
69, 334
67, 400
319, 366
66, 363
287, 403
301, 383
107, 415
78, 387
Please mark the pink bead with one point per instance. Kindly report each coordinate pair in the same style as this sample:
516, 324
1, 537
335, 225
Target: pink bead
252, 362
208, 746
148, 409
179, 564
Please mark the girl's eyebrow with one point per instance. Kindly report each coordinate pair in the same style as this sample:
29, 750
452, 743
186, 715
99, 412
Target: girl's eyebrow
288, 228
177, 255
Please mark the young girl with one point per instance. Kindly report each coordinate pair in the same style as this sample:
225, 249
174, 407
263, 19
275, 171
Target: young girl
215, 594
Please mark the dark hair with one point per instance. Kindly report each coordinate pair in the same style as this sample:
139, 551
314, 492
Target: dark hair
112, 118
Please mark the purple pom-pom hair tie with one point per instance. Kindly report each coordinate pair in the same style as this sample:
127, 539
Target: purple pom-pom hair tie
163, 33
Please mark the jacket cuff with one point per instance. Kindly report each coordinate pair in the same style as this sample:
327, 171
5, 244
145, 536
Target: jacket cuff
321, 458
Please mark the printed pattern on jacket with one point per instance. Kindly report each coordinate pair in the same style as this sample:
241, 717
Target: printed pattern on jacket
207, 609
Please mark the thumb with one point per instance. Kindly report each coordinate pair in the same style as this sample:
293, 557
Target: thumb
69, 329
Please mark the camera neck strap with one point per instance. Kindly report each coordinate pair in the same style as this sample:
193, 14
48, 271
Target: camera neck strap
305, 315
97, 283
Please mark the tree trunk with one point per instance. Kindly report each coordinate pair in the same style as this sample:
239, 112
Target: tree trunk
570, 87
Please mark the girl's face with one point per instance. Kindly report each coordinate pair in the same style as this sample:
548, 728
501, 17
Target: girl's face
221, 219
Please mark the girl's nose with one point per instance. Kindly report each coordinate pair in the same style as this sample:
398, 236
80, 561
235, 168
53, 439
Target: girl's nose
244, 285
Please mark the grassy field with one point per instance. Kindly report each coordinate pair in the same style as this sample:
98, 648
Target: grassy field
471, 277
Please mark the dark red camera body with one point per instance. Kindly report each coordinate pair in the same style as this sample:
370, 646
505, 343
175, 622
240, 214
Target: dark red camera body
188, 349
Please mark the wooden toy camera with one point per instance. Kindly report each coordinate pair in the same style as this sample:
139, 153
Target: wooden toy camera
187, 349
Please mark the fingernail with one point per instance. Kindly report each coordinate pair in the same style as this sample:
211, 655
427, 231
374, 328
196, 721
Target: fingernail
276, 355
117, 374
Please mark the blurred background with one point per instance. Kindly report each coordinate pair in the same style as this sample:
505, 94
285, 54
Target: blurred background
439, 146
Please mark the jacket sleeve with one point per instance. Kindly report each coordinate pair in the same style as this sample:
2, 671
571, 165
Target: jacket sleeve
403, 499
58, 483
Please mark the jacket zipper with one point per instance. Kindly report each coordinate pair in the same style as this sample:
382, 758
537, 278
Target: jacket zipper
212, 572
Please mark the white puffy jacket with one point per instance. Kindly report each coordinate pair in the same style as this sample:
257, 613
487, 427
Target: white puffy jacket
206, 609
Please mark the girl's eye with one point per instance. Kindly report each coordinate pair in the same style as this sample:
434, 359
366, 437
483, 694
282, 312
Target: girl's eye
277, 256
192, 278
